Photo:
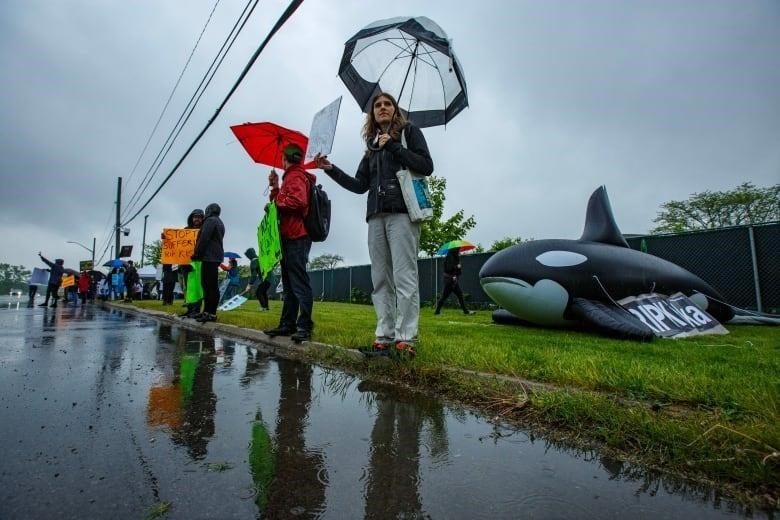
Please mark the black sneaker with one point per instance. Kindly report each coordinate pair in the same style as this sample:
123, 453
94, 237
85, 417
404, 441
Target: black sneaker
469, 313
206, 316
301, 335
44, 304
279, 331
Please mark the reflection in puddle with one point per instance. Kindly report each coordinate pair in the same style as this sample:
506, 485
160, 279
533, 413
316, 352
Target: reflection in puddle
221, 429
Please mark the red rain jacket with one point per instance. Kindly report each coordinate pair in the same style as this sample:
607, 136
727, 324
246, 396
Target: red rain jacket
292, 201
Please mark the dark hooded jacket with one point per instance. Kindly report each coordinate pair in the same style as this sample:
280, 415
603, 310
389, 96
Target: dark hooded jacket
254, 266
56, 269
376, 172
208, 247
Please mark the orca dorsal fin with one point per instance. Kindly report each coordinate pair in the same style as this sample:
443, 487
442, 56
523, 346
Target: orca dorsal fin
600, 224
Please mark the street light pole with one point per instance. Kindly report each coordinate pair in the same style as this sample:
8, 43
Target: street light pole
143, 241
92, 251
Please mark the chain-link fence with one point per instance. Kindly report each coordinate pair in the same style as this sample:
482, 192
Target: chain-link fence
742, 263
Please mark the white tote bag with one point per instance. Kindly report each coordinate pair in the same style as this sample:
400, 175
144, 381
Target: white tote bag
414, 188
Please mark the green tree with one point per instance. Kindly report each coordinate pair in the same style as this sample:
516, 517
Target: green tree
325, 261
437, 231
13, 277
745, 204
505, 242
153, 253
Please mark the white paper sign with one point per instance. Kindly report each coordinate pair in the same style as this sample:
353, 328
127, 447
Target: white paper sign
39, 277
323, 129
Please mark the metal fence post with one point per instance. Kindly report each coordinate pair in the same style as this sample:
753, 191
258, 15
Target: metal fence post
755, 268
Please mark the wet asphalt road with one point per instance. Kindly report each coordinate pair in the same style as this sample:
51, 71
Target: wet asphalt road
108, 415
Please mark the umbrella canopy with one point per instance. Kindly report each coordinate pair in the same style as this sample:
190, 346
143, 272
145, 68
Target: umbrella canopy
97, 275
410, 58
231, 254
69, 271
116, 262
460, 245
264, 142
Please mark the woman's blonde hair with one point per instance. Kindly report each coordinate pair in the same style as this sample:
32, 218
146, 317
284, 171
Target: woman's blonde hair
370, 127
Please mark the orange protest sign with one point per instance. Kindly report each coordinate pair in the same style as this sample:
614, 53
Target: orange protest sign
68, 280
178, 245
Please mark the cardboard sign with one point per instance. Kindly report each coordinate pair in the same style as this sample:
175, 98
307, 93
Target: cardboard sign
672, 316
68, 281
323, 129
178, 245
233, 303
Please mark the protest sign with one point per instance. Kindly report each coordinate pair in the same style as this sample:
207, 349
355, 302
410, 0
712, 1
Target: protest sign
673, 316
85, 265
125, 252
68, 281
323, 129
39, 277
178, 245
269, 241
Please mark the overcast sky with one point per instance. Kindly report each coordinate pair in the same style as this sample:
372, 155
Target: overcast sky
655, 99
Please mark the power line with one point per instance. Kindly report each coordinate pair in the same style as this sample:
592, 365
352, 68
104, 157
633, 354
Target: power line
285, 16
192, 104
173, 91
188, 109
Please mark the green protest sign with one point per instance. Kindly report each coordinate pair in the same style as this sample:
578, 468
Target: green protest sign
269, 241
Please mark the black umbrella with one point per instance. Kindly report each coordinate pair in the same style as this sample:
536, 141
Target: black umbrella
410, 58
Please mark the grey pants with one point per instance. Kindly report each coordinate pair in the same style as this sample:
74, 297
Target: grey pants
393, 246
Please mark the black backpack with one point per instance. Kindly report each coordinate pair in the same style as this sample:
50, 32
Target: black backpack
317, 220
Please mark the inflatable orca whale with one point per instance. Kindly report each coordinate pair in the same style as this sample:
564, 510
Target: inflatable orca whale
567, 282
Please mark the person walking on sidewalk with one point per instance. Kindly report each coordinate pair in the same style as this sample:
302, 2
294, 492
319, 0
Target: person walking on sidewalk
56, 269
452, 271
292, 201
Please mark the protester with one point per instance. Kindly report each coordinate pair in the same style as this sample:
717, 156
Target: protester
261, 286
452, 271
131, 279
210, 253
393, 239
193, 291
233, 279
292, 202
83, 285
55, 278
168, 283
32, 289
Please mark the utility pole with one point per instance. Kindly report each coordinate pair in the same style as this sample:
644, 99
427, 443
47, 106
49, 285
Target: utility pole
117, 229
143, 241
93, 253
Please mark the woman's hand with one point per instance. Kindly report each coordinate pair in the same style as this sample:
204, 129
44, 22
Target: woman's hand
322, 162
383, 139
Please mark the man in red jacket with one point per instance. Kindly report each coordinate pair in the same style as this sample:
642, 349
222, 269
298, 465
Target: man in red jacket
292, 202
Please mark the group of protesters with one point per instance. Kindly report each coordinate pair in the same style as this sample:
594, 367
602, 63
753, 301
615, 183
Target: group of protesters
122, 283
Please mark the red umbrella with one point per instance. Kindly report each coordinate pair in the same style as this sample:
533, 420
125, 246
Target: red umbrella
264, 142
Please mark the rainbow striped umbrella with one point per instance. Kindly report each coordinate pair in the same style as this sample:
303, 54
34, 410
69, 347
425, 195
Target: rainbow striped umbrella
460, 245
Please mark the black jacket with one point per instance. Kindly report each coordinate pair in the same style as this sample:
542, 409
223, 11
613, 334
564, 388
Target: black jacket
208, 247
376, 172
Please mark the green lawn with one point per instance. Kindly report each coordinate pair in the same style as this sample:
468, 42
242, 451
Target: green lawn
707, 406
